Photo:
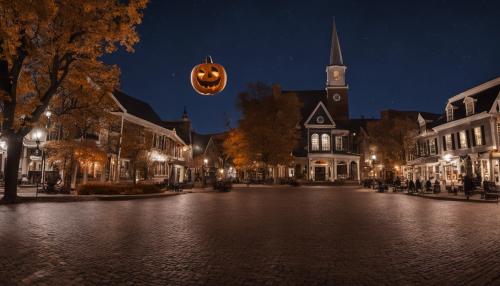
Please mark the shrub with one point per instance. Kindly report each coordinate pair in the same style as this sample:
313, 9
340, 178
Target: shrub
118, 189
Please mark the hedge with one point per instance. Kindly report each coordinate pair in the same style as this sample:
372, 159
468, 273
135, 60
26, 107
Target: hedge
118, 189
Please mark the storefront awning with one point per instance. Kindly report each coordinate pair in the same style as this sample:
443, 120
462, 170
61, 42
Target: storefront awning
423, 160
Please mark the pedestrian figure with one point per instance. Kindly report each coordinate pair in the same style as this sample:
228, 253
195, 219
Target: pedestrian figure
437, 187
411, 186
428, 186
468, 186
418, 185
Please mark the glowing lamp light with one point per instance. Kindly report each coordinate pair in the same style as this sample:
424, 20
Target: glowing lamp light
48, 113
221, 171
447, 157
38, 134
374, 157
205, 160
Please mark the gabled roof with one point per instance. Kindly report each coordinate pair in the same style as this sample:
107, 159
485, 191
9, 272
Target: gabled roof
320, 110
182, 128
484, 100
335, 52
356, 124
309, 100
201, 141
137, 107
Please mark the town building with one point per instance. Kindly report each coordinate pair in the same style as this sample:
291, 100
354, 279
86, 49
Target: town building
464, 140
328, 149
168, 155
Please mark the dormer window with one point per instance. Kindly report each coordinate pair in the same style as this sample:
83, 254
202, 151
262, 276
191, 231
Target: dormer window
449, 113
469, 106
315, 142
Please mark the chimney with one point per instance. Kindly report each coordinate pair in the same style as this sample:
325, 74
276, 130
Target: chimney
276, 89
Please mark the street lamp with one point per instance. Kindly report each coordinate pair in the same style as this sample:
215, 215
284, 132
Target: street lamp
204, 170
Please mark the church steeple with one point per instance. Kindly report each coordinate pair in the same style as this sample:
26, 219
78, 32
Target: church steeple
185, 116
336, 86
335, 52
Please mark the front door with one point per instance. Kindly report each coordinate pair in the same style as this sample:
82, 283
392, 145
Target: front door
319, 173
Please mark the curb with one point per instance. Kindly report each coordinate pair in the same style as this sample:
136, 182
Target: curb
89, 198
454, 199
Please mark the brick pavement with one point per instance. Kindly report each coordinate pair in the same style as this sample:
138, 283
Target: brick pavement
289, 236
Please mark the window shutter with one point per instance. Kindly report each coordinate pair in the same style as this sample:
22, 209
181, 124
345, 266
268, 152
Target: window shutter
467, 135
345, 142
436, 145
458, 141
482, 135
452, 141
444, 143
428, 147
473, 138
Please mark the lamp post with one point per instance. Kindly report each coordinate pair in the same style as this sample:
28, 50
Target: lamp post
205, 166
3, 151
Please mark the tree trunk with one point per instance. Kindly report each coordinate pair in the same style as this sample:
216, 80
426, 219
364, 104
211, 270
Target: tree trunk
85, 170
134, 174
75, 173
14, 151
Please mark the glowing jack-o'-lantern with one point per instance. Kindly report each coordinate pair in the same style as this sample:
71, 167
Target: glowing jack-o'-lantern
208, 78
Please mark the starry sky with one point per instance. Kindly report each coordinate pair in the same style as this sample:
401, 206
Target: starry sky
408, 55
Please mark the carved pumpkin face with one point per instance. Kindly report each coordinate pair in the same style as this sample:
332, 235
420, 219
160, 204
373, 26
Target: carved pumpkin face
208, 78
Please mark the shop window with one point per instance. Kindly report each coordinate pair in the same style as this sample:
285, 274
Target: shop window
432, 146
338, 143
478, 136
449, 142
463, 139
315, 142
325, 142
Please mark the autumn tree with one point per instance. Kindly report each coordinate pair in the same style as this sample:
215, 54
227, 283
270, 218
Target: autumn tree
135, 147
77, 118
66, 154
394, 139
236, 147
267, 132
49, 48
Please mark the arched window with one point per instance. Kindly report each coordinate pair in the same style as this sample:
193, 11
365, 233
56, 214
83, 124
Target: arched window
325, 142
315, 142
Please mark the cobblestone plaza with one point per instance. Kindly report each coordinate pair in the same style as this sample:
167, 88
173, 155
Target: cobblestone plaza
273, 236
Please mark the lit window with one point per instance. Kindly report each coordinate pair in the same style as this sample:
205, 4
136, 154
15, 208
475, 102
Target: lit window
432, 146
498, 132
478, 136
469, 107
463, 139
315, 142
325, 142
336, 75
449, 143
338, 143
449, 113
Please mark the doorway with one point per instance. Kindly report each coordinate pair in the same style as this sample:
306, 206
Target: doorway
319, 173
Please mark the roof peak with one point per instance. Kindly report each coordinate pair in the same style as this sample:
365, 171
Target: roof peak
335, 51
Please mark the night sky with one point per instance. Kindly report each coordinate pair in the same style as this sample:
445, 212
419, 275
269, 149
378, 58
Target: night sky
408, 56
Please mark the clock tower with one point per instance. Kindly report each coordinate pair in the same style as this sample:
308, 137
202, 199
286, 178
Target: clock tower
336, 87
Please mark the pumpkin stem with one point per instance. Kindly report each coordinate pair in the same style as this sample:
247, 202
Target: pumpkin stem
209, 60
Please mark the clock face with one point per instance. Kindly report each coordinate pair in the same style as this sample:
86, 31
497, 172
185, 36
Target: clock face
336, 75
320, 120
337, 97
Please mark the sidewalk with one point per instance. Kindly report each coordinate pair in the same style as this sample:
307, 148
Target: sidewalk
445, 196
27, 195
